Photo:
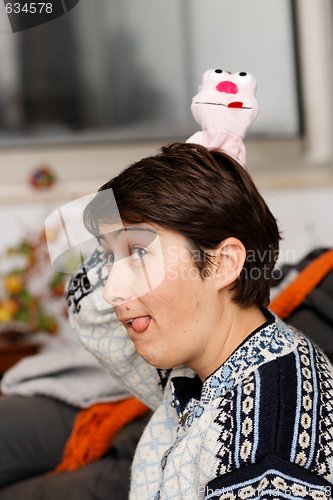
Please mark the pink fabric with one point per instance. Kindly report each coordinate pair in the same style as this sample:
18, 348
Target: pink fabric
227, 87
225, 107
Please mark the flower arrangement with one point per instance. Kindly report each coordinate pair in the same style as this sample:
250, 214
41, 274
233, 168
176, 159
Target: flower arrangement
26, 285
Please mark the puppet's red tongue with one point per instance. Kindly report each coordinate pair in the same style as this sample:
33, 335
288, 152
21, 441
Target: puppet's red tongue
141, 324
235, 104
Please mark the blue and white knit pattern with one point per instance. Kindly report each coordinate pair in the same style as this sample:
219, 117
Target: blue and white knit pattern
270, 484
272, 341
264, 418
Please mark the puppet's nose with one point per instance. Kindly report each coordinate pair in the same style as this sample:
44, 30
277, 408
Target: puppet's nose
227, 87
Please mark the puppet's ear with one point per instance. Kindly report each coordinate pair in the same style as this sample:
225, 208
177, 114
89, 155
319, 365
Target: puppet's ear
225, 106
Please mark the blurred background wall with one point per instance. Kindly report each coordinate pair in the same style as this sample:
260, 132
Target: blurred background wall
124, 70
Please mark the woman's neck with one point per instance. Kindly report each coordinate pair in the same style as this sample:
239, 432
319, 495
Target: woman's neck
235, 324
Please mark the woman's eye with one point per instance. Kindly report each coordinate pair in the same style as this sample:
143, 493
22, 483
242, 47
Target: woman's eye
138, 252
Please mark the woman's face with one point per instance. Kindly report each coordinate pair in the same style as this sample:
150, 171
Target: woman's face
156, 290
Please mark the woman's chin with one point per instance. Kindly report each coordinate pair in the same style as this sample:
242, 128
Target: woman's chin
155, 361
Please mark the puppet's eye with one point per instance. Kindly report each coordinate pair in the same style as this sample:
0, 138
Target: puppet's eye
216, 74
213, 75
244, 78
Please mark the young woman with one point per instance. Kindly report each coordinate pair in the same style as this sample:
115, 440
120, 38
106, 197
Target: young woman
243, 403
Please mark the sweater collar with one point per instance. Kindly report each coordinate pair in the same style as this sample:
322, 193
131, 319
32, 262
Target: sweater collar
270, 340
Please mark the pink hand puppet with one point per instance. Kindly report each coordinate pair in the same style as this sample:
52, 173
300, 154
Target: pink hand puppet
225, 107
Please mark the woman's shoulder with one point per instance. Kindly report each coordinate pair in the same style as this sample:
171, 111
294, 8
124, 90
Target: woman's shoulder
299, 383
306, 361
284, 408
293, 397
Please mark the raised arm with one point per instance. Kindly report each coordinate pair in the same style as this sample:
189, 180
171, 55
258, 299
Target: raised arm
104, 336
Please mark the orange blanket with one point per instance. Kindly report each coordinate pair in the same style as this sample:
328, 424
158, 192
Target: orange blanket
94, 430
294, 294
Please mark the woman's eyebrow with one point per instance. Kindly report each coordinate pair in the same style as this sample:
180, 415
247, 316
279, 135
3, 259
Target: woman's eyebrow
136, 228
125, 229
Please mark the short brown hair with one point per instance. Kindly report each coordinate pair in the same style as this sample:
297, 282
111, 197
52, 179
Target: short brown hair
206, 196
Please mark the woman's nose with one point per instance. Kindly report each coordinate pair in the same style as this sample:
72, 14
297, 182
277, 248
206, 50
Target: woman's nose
117, 289
227, 87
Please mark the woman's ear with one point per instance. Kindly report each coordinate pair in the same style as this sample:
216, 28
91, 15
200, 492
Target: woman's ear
230, 256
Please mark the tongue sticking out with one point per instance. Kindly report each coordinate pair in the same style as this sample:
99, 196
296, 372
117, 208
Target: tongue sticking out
141, 324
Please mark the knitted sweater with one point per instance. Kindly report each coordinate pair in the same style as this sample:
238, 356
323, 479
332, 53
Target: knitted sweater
259, 427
